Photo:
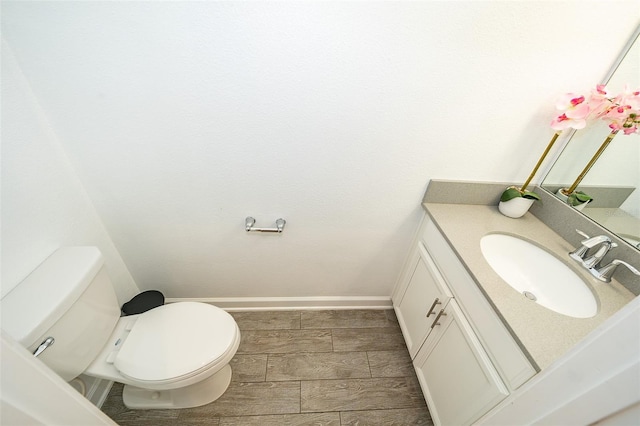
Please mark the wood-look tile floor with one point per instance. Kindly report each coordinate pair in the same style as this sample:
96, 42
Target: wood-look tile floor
343, 367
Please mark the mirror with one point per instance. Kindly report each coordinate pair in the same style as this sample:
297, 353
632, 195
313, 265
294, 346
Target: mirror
614, 180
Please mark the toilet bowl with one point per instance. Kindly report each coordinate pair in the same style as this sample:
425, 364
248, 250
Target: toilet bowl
173, 356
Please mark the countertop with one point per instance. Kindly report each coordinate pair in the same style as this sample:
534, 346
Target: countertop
543, 334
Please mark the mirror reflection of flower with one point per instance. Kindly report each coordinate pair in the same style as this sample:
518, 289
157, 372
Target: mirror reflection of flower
622, 112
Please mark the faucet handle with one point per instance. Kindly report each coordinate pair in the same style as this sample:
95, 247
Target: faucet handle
605, 273
582, 233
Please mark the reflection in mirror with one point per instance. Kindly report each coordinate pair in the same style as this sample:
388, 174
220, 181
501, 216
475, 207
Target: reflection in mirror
614, 180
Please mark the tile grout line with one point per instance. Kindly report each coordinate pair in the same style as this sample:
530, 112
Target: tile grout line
266, 368
369, 364
300, 394
300, 381
333, 347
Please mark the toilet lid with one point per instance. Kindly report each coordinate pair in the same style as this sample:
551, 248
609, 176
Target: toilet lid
175, 340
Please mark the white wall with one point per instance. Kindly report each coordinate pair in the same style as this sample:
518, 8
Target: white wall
44, 206
182, 118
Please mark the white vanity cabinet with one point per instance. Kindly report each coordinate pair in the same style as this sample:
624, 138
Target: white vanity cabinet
465, 358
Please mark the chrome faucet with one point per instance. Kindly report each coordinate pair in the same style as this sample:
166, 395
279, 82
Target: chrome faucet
605, 273
593, 261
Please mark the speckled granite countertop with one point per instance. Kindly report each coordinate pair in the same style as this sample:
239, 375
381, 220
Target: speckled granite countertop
545, 335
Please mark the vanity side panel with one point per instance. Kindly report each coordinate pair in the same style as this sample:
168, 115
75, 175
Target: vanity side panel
411, 309
504, 351
407, 269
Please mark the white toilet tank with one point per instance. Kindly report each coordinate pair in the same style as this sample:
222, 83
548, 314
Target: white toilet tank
70, 298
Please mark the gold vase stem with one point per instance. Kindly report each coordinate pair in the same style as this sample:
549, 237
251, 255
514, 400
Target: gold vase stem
591, 163
544, 154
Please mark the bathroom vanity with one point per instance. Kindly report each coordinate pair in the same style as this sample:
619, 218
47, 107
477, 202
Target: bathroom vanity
473, 339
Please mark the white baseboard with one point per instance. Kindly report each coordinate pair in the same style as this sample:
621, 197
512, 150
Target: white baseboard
292, 303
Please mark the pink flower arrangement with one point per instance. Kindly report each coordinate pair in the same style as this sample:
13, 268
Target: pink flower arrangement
622, 111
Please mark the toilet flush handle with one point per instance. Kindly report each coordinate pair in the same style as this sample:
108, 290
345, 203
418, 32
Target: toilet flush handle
44, 345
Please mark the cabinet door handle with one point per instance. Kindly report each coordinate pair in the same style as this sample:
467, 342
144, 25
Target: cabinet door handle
435, 302
435, 322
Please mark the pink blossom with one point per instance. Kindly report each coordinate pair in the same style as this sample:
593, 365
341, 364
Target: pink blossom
624, 112
574, 109
599, 101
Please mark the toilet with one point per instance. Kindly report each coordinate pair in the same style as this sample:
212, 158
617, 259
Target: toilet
173, 356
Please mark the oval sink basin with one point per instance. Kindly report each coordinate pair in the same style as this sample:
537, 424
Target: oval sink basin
538, 275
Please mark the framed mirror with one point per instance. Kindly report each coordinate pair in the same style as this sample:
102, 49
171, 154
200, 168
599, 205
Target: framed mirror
614, 180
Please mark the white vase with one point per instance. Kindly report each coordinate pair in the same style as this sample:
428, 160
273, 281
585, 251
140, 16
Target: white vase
565, 198
561, 195
581, 206
515, 207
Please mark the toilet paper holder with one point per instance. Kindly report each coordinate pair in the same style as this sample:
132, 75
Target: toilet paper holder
249, 222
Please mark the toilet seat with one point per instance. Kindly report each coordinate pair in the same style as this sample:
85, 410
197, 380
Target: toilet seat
177, 341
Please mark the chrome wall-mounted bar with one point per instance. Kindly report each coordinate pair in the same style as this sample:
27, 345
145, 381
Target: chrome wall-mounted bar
249, 222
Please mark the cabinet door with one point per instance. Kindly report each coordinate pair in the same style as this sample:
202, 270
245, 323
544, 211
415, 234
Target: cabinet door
425, 294
456, 375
